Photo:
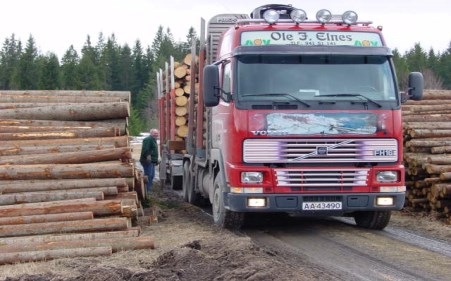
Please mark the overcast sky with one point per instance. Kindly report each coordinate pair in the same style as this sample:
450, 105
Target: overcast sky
57, 24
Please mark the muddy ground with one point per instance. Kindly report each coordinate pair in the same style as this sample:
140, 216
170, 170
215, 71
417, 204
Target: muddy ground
190, 247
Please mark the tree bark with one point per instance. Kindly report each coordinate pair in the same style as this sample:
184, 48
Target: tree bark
131, 232
66, 171
99, 208
120, 141
76, 112
34, 197
19, 257
78, 157
55, 99
64, 134
15, 186
426, 118
27, 150
429, 133
108, 224
46, 218
122, 244
125, 95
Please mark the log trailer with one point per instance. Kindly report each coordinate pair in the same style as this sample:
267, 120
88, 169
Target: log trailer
291, 115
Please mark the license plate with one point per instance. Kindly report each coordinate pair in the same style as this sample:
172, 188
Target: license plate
312, 206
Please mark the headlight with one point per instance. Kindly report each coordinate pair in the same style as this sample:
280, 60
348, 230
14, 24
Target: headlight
349, 17
251, 177
271, 16
387, 176
323, 16
298, 15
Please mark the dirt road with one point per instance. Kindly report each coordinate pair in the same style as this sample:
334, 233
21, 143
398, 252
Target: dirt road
351, 253
190, 247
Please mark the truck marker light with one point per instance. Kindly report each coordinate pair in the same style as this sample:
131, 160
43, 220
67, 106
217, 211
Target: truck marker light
323, 16
256, 202
298, 15
248, 190
384, 201
271, 16
349, 17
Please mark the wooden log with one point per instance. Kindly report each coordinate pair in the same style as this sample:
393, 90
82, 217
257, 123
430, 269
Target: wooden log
439, 159
27, 150
180, 120
181, 110
131, 232
15, 186
428, 133
99, 208
441, 149
437, 169
428, 143
180, 72
131, 195
430, 108
426, 118
427, 125
436, 94
34, 256
55, 99
120, 141
77, 133
182, 131
78, 157
181, 101
122, 244
46, 218
187, 88
33, 197
423, 102
179, 92
188, 59
120, 123
445, 191
107, 224
66, 171
125, 95
75, 112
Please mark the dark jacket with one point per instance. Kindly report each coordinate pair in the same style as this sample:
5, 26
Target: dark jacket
149, 147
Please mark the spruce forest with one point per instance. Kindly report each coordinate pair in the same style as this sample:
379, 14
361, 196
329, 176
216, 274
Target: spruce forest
103, 64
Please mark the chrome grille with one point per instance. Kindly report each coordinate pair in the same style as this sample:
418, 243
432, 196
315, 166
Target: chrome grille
319, 150
314, 179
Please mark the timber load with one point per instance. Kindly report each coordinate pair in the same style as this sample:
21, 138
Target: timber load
68, 183
427, 148
179, 82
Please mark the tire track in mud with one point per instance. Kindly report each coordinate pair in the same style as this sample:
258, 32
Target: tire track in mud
353, 253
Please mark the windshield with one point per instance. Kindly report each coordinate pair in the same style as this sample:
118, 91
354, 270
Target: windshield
323, 78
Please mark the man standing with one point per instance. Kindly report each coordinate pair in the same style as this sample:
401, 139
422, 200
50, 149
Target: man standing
149, 157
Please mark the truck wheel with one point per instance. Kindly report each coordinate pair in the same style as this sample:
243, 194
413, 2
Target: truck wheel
221, 216
176, 182
186, 180
373, 219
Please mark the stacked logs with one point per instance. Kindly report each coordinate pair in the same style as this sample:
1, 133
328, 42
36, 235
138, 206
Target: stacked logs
183, 80
68, 185
427, 137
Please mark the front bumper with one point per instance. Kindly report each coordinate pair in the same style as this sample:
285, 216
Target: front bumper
293, 202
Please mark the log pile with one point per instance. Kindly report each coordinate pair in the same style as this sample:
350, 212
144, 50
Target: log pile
183, 79
427, 144
68, 185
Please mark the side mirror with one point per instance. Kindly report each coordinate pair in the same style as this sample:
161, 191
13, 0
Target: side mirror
416, 84
211, 85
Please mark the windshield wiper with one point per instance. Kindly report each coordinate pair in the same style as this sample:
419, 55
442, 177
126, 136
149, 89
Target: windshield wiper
353, 95
279, 94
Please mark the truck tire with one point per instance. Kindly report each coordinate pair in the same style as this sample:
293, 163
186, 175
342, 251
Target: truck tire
176, 182
373, 219
221, 216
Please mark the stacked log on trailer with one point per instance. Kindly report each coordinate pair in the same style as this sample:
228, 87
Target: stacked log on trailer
178, 98
427, 148
68, 183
